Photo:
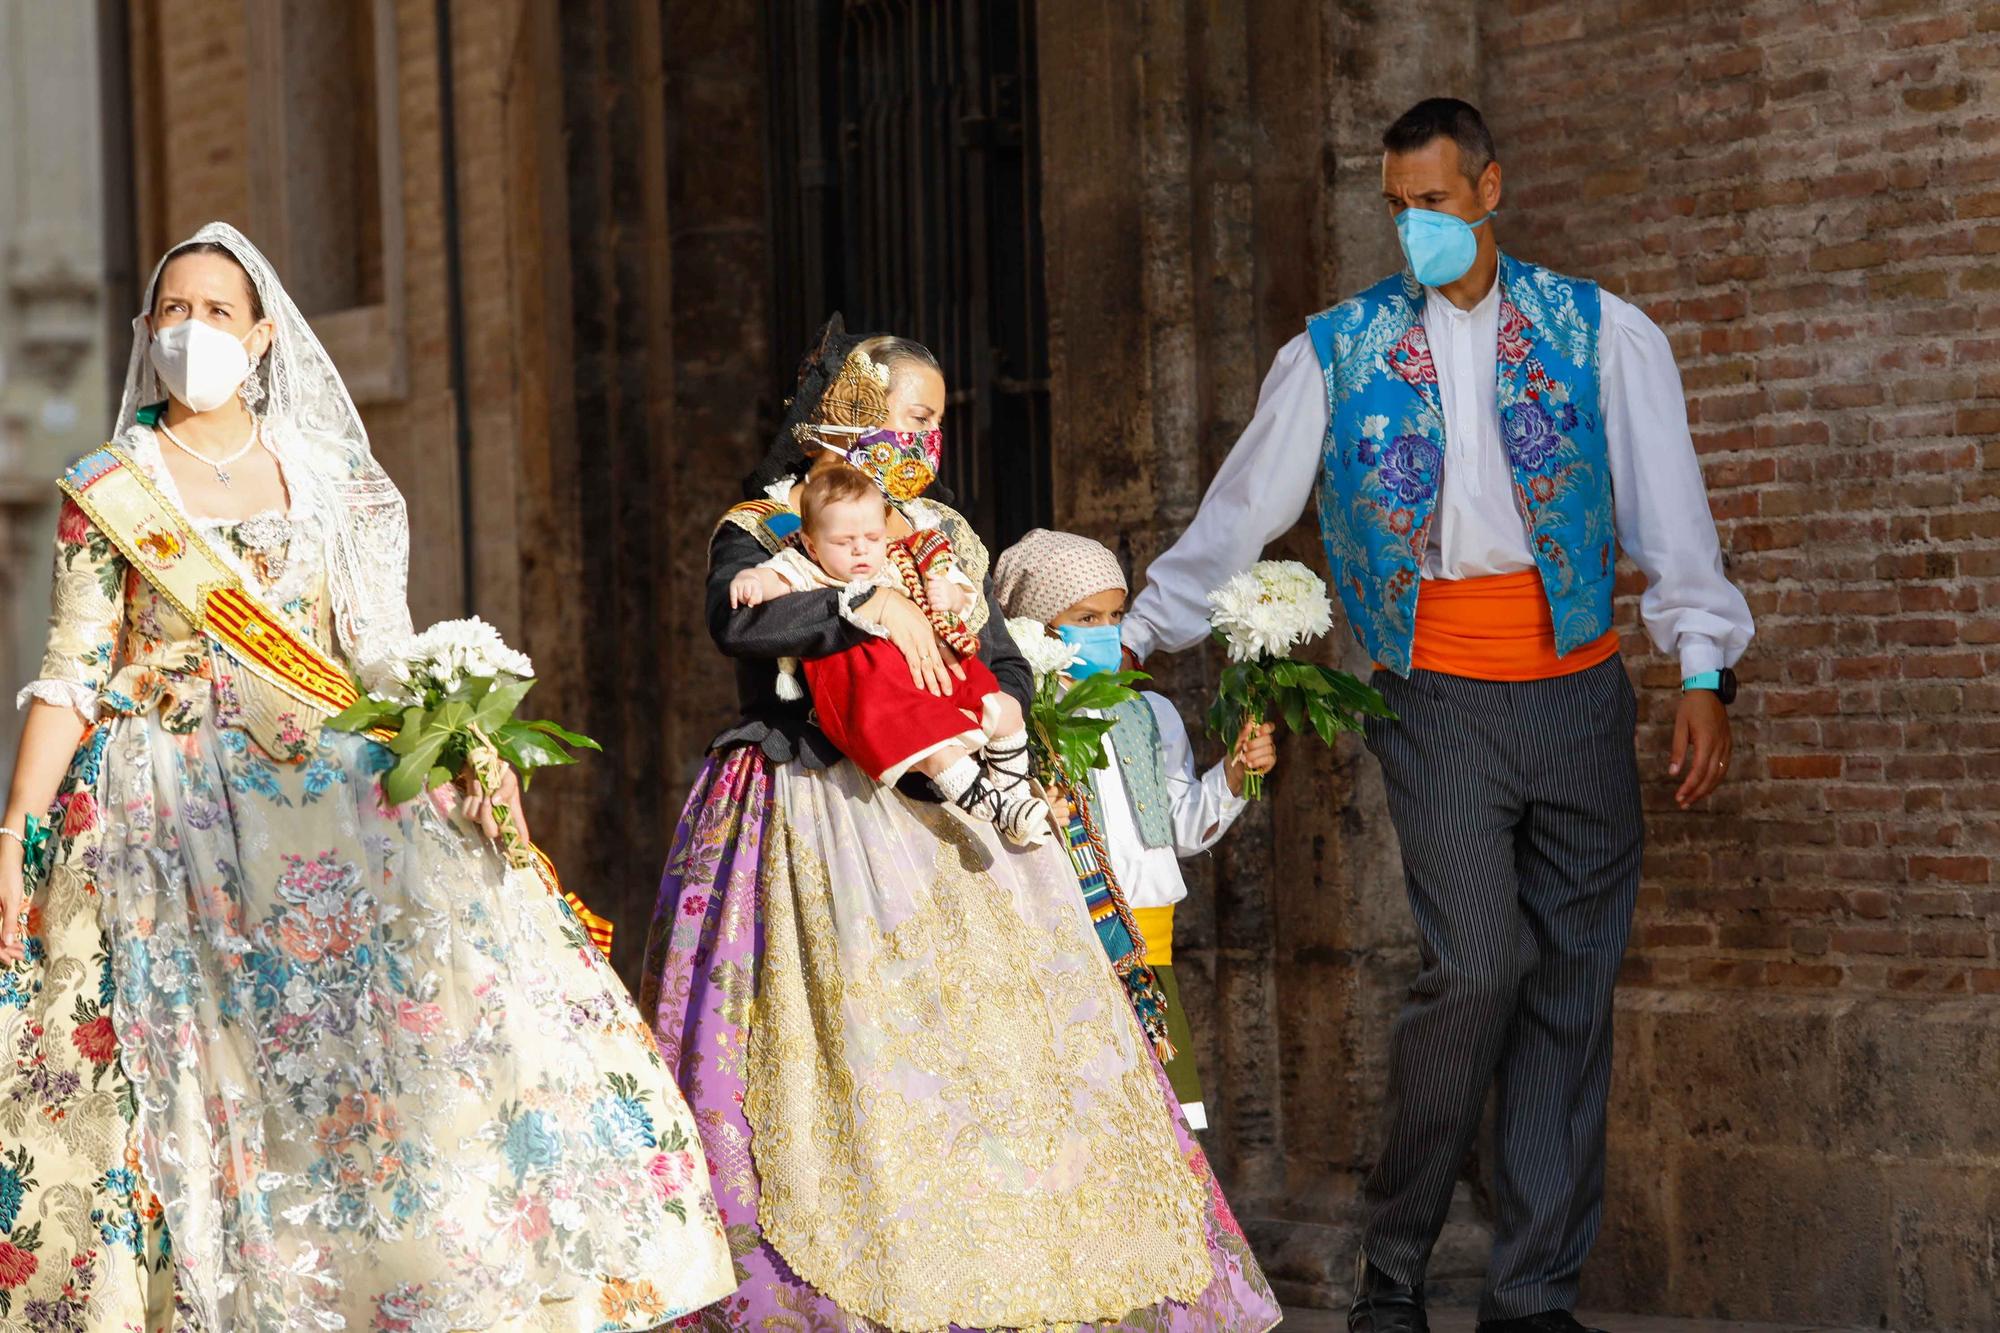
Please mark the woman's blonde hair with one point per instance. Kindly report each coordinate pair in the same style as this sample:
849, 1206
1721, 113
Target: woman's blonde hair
859, 393
888, 350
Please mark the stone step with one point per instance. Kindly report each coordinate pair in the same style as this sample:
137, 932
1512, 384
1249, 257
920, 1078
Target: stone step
1305, 1320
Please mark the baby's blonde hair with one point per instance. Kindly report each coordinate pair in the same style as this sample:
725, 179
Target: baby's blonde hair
832, 485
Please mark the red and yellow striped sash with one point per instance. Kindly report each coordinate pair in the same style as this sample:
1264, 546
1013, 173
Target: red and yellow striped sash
160, 543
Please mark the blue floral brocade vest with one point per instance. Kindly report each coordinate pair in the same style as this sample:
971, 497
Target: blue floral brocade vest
1383, 457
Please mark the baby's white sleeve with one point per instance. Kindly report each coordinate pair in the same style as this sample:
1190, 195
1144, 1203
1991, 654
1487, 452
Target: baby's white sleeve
799, 574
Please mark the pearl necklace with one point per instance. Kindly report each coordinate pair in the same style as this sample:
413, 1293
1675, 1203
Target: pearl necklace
221, 465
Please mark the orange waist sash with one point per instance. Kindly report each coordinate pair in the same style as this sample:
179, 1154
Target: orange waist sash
1496, 628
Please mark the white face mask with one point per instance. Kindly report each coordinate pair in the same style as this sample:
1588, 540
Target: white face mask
200, 364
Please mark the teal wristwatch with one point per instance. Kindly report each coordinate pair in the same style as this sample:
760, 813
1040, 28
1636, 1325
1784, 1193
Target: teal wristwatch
1721, 683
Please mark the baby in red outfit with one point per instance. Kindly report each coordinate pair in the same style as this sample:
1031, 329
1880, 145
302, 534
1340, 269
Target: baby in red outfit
973, 743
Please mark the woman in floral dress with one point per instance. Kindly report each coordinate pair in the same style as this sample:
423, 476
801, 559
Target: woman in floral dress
923, 1092
284, 1055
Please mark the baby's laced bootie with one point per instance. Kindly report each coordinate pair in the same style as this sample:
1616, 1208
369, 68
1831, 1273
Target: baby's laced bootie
999, 798
1025, 816
1008, 761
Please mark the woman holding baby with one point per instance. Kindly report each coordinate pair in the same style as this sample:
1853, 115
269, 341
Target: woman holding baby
921, 1089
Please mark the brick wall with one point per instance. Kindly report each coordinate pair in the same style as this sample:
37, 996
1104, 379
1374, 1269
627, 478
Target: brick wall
1807, 198
1210, 178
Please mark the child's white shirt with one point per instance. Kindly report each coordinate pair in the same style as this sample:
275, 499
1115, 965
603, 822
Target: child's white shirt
1203, 810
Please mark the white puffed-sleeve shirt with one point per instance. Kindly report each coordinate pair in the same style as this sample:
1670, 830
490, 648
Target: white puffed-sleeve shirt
1660, 502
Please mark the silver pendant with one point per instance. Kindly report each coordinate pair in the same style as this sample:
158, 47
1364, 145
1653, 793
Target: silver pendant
222, 475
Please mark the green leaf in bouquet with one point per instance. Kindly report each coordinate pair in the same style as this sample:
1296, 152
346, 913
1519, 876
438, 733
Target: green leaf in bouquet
1316, 679
411, 728
1240, 681
498, 706
456, 756
1219, 717
363, 714
1102, 692
471, 690
406, 781
1325, 721
1227, 716
527, 747
1356, 696
1081, 746
1302, 676
575, 738
425, 735
1292, 703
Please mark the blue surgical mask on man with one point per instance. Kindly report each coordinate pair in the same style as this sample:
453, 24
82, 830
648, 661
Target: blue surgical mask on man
1099, 648
1440, 247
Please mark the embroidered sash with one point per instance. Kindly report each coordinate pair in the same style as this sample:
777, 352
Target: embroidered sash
772, 524
914, 557
160, 543
1116, 930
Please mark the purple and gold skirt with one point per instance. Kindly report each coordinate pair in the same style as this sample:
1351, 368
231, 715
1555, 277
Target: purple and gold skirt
924, 1099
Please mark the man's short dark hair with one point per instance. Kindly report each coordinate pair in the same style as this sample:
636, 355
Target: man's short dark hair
1442, 118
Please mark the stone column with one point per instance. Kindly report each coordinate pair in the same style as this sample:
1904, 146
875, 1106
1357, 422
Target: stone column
1211, 178
52, 356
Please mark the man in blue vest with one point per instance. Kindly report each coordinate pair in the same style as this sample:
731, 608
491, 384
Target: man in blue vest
1483, 436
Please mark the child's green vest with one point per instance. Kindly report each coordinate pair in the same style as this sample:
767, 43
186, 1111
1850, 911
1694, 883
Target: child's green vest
1135, 737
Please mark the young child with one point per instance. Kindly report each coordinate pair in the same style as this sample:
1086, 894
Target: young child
1156, 810
972, 745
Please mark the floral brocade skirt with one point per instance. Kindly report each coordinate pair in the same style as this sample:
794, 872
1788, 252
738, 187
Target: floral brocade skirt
924, 1099
284, 1056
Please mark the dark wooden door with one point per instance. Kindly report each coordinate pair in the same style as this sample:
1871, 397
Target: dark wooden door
905, 193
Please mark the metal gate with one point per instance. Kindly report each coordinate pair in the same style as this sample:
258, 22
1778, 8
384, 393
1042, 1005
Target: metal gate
905, 193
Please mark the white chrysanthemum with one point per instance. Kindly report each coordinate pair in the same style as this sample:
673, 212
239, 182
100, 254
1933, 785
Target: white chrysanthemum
1270, 609
1047, 654
443, 657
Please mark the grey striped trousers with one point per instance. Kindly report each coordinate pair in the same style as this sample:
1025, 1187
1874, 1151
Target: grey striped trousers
1517, 807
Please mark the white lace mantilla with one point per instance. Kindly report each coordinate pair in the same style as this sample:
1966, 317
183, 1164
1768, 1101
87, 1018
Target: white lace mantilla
310, 421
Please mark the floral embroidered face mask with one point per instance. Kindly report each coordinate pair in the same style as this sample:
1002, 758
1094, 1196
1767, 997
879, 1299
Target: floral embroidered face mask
902, 462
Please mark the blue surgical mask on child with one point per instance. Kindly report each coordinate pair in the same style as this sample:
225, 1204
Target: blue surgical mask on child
1440, 247
1099, 648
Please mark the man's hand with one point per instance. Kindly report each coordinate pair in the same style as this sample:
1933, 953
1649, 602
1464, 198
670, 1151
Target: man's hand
1699, 754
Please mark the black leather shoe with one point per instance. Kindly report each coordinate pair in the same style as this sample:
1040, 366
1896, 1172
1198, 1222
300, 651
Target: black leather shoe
1548, 1321
1384, 1305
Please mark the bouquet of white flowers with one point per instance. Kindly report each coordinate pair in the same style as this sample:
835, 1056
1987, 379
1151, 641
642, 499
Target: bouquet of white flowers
1260, 617
451, 696
1068, 726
